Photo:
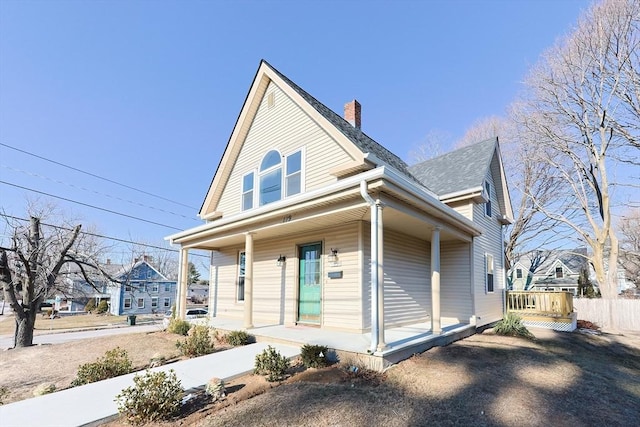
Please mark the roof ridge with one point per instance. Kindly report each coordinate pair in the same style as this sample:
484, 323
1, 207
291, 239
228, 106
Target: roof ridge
363, 141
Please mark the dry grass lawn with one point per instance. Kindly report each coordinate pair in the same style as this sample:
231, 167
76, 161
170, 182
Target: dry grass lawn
560, 379
45, 325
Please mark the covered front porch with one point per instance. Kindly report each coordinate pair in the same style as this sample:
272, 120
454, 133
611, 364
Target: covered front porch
401, 342
403, 277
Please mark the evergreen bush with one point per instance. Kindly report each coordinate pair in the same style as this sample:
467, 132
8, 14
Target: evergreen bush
314, 356
272, 364
103, 307
154, 396
236, 338
198, 343
179, 326
115, 362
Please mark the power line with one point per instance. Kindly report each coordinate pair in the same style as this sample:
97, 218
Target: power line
90, 206
95, 176
103, 236
95, 192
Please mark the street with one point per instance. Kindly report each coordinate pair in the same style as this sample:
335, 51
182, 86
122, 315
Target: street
6, 341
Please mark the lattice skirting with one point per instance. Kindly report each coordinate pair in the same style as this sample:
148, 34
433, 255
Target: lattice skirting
564, 324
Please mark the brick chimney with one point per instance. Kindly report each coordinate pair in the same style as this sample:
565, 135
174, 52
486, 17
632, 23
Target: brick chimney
352, 113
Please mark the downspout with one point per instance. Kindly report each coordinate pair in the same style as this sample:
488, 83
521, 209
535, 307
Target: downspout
374, 265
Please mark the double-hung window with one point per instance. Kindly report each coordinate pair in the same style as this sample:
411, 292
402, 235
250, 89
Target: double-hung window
487, 205
241, 270
293, 177
154, 302
247, 191
127, 303
140, 302
559, 272
489, 268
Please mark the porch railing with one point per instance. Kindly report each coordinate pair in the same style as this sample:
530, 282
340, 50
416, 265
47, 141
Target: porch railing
543, 303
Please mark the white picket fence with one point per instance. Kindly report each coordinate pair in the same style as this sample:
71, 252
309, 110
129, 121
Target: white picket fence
625, 313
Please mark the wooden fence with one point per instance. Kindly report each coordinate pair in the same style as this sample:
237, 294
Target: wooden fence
623, 314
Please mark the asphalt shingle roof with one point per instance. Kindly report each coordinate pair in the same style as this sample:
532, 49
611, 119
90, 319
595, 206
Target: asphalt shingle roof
355, 135
458, 170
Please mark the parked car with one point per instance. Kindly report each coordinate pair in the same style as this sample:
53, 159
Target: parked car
194, 313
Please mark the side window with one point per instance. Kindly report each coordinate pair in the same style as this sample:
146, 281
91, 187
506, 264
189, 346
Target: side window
518, 273
270, 187
127, 303
241, 270
487, 205
293, 177
247, 191
140, 302
559, 272
489, 269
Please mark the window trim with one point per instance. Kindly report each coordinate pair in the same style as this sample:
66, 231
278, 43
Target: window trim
124, 303
252, 191
487, 205
155, 287
490, 273
156, 300
167, 287
519, 273
557, 269
166, 302
138, 302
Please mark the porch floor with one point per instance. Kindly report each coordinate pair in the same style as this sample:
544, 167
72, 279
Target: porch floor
397, 339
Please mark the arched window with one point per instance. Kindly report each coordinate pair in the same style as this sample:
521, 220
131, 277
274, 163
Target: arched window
270, 189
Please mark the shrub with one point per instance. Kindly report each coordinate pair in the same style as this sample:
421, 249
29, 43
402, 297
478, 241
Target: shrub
272, 364
154, 396
4, 393
115, 362
90, 306
103, 307
512, 326
44, 388
198, 343
216, 389
314, 356
179, 326
236, 338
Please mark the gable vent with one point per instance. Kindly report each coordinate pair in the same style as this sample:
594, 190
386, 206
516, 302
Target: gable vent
271, 99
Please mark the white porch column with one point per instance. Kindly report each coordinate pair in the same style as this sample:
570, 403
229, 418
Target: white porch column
436, 326
248, 281
380, 247
181, 301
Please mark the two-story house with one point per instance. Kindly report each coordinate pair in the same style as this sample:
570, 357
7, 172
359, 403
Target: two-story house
312, 222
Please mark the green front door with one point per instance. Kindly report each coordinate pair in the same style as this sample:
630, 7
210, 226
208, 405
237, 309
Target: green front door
310, 285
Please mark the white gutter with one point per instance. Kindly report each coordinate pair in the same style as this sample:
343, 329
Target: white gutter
375, 280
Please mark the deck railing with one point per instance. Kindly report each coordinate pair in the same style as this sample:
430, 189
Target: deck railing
544, 303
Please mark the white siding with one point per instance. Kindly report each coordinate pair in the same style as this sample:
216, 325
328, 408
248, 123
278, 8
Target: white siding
407, 283
488, 306
286, 128
455, 282
464, 207
276, 288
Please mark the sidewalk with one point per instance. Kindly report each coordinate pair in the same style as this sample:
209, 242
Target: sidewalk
92, 402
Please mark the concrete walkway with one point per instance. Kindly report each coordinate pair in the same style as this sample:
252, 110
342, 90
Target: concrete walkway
86, 404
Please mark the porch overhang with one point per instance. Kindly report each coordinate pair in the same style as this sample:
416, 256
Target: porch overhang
337, 203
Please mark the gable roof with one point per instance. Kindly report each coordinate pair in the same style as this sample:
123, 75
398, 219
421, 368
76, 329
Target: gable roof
355, 135
358, 144
469, 163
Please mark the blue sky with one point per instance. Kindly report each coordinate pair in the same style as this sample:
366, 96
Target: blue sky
146, 93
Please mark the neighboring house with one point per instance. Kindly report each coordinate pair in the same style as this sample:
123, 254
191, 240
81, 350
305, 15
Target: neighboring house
141, 289
558, 270
198, 293
76, 291
310, 221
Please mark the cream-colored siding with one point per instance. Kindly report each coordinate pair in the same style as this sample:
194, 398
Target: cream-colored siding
287, 128
455, 282
365, 238
463, 207
276, 288
488, 305
407, 289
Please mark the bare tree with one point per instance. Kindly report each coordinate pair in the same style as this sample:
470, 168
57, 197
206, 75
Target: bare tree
485, 128
578, 122
31, 264
431, 146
